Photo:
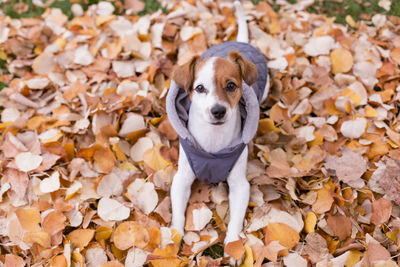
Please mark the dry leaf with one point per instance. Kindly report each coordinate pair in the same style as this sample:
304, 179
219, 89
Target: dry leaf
342, 61
348, 168
111, 210
281, 232
129, 234
143, 195
197, 216
294, 259
341, 226
353, 128
310, 222
324, 201
13, 261
235, 249
80, 237
26, 161
50, 184
381, 211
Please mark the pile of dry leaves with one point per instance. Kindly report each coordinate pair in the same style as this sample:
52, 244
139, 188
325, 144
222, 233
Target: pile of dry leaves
88, 155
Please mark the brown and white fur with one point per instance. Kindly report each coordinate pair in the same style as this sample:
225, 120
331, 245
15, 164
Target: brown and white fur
215, 87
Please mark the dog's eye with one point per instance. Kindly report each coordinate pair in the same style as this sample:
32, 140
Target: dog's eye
230, 87
200, 88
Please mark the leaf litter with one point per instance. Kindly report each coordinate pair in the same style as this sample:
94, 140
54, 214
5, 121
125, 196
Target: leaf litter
88, 154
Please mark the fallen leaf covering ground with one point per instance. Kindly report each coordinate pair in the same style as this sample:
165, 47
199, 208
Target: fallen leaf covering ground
88, 155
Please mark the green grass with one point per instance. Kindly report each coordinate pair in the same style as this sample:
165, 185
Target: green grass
215, 251
357, 9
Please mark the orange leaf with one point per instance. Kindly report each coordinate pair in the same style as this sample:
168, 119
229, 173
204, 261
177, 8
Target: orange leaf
324, 201
129, 234
81, 237
235, 249
286, 235
29, 219
105, 159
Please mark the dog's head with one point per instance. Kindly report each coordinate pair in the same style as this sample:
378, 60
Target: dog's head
215, 84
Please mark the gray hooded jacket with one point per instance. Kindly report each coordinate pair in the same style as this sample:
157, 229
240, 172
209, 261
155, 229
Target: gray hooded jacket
215, 167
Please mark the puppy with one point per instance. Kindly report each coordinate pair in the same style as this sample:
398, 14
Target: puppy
213, 104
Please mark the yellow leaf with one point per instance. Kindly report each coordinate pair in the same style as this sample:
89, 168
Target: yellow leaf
353, 258
78, 258
310, 222
267, 125
40, 237
103, 232
319, 139
248, 257
153, 158
350, 21
287, 236
118, 152
356, 98
342, 61
34, 122
80, 237
324, 201
370, 112
127, 166
176, 236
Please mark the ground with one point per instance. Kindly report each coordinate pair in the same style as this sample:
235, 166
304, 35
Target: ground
88, 155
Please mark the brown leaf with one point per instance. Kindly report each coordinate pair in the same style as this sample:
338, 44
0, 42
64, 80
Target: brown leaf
381, 211
163, 209
316, 247
167, 130
390, 181
348, 168
341, 225
375, 252
13, 261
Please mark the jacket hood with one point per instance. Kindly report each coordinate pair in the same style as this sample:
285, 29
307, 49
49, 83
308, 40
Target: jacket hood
178, 105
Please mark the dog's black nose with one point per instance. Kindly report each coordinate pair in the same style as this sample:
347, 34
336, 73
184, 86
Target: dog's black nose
218, 111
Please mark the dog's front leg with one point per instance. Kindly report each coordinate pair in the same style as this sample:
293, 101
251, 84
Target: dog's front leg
239, 192
180, 191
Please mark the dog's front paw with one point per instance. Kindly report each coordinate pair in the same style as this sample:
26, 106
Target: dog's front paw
234, 250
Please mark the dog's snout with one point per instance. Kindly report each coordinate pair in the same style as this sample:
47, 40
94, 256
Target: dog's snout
218, 111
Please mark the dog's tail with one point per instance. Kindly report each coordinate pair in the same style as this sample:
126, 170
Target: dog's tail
243, 33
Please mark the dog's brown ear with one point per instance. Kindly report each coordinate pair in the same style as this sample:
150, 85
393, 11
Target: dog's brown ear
247, 68
183, 75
